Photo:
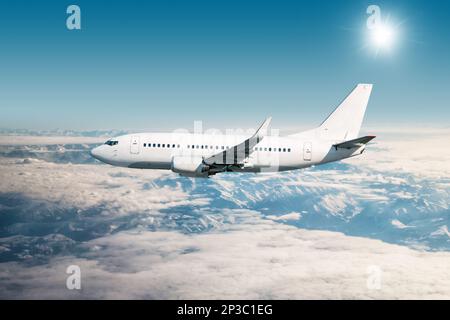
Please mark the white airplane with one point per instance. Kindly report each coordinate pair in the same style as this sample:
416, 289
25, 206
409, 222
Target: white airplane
203, 155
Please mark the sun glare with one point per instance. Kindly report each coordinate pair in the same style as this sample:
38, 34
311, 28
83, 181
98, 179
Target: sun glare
383, 36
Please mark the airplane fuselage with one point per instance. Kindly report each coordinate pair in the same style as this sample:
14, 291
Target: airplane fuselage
157, 150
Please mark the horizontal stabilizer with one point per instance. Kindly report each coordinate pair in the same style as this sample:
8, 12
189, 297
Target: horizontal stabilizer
355, 143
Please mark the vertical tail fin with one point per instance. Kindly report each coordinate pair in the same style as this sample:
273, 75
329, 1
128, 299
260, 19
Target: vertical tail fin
345, 121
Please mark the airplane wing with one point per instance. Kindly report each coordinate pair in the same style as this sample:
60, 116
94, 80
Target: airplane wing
237, 153
355, 143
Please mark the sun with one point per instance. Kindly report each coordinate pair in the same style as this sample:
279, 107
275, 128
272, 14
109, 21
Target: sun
383, 36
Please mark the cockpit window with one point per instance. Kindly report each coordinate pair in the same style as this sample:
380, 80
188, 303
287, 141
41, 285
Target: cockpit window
111, 142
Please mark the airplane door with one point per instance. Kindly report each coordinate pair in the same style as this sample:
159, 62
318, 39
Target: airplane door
307, 151
134, 145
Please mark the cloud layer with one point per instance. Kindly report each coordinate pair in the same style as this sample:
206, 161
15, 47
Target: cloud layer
253, 259
152, 234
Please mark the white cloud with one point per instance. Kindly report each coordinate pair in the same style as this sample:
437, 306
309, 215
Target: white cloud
48, 140
423, 155
288, 216
255, 259
119, 190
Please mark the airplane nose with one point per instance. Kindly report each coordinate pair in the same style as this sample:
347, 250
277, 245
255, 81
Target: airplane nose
94, 152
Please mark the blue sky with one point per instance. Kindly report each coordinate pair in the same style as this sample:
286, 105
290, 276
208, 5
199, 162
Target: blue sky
164, 64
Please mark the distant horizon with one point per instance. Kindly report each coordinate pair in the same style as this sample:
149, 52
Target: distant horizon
382, 126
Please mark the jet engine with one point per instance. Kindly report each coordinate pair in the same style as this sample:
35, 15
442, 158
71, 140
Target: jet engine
190, 166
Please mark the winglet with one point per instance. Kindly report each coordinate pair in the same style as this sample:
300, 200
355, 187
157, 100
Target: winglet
236, 154
263, 130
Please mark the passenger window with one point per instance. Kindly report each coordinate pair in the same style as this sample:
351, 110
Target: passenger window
145, 144
159, 145
289, 149
279, 149
284, 149
178, 146
223, 147
270, 149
